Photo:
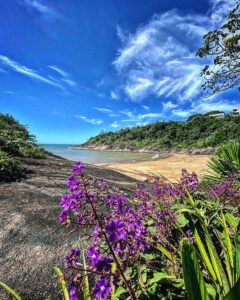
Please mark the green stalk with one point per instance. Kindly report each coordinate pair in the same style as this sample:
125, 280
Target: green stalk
62, 284
14, 294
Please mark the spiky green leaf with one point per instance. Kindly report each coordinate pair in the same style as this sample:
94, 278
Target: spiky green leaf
193, 279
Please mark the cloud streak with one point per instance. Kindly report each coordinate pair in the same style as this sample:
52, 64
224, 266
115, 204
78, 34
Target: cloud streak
89, 120
65, 76
137, 118
15, 66
38, 6
63, 82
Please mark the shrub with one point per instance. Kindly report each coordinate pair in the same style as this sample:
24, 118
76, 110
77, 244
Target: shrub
31, 151
10, 167
15, 143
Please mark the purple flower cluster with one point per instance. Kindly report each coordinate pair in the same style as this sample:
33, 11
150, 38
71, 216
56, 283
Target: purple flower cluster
73, 258
119, 231
227, 191
115, 229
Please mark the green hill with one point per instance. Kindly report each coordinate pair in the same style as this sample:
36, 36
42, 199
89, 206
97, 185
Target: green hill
16, 143
199, 131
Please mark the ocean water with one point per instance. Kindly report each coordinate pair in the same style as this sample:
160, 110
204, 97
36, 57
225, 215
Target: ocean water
97, 157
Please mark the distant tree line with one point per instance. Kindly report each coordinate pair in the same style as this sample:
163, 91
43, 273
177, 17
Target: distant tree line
199, 131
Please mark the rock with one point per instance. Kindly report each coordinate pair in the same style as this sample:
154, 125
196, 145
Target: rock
32, 241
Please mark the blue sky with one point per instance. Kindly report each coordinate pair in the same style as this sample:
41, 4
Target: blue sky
70, 69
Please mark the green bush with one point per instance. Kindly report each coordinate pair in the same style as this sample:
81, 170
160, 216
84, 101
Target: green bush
10, 167
15, 143
31, 151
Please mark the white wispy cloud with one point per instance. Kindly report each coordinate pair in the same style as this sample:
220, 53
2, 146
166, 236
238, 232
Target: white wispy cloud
45, 10
149, 115
15, 66
145, 107
104, 110
115, 124
159, 58
137, 118
181, 113
114, 95
65, 76
169, 105
109, 112
9, 92
63, 82
207, 106
89, 120
59, 71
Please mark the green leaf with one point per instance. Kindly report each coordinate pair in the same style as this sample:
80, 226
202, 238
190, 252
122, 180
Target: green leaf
166, 253
231, 220
234, 293
120, 290
160, 277
203, 253
216, 262
14, 294
86, 291
182, 220
62, 284
211, 290
193, 279
237, 256
228, 242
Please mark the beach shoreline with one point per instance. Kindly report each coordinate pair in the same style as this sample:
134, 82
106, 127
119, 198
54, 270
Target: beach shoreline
168, 168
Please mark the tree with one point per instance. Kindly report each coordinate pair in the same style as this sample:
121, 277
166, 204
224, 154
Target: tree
224, 46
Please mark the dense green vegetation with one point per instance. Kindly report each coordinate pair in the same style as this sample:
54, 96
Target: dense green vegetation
199, 131
15, 143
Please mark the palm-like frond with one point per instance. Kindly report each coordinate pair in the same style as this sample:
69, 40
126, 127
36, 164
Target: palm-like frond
224, 162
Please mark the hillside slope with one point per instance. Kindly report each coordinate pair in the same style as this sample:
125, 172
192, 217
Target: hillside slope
199, 131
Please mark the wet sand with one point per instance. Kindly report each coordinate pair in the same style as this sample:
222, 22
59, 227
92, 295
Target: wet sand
168, 168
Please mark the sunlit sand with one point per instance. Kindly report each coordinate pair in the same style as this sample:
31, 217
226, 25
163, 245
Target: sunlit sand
168, 168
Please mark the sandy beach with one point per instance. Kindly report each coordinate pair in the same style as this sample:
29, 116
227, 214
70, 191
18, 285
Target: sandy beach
169, 168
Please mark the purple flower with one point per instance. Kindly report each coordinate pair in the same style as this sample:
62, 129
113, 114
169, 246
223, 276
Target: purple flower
102, 288
73, 290
116, 231
95, 233
66, 202
81, 220
73, 184
189, 234
78, 168
102, 184
63, 216
93, 256
105, 264
72, 259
